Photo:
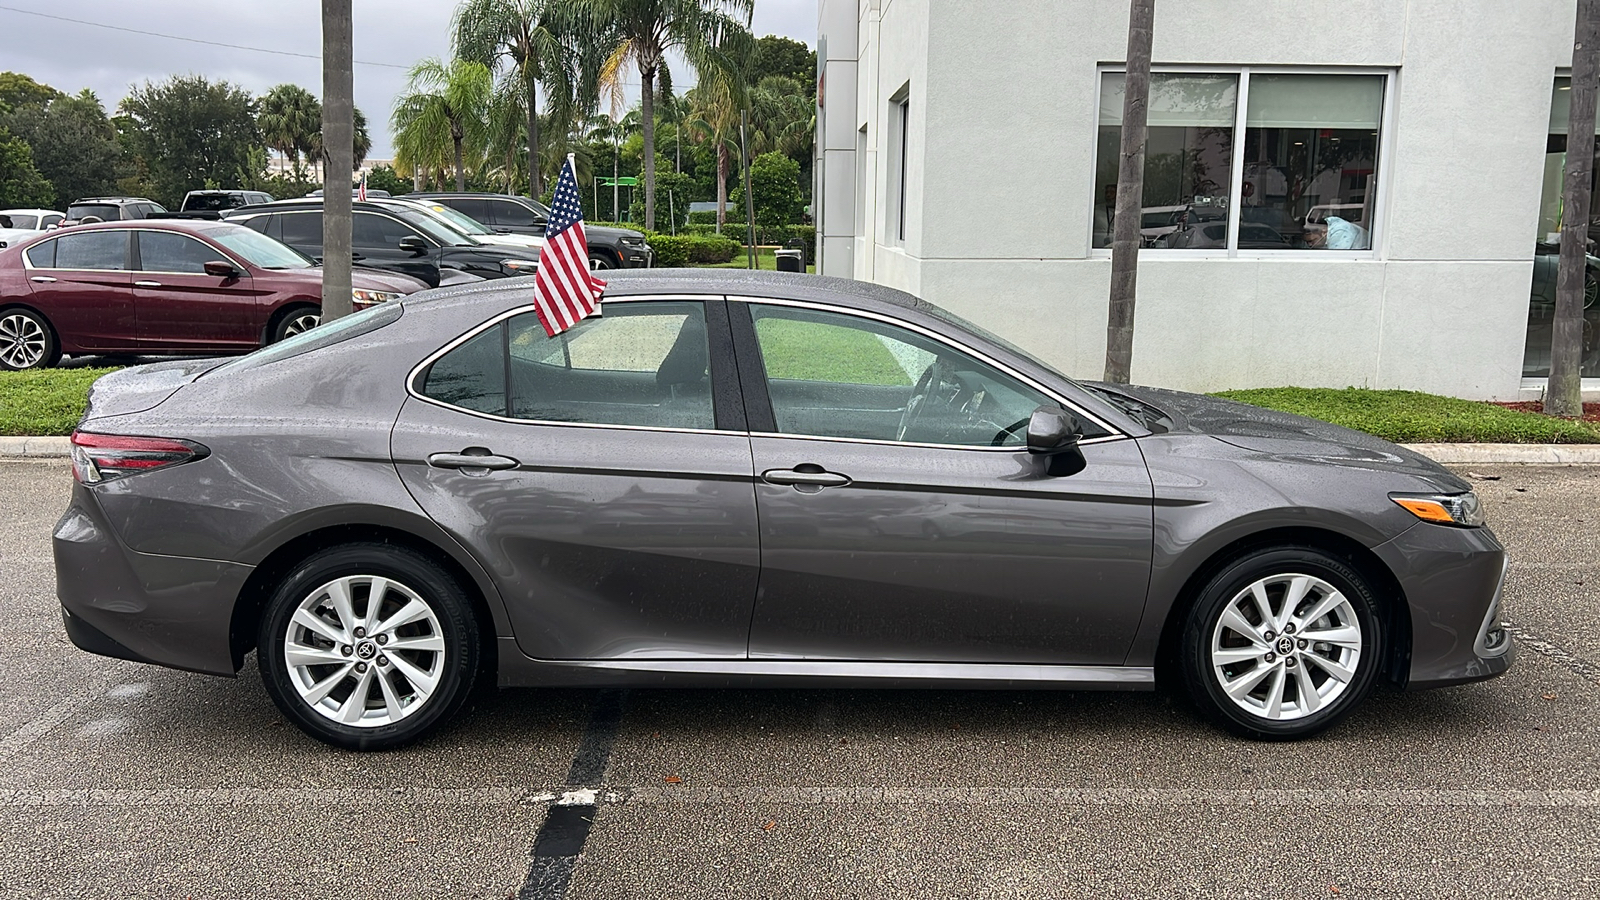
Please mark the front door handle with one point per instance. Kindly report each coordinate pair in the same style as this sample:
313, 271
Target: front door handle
42, 279
472, 461
147, 284
805, 476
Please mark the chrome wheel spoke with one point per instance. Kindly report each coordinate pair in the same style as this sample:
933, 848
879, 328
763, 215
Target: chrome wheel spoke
339, 595
1329, 602
1306, 690
302, 655
422, 682
313, 622
1241, 626
432, 642
391, 700
407, 614
1293, 597
1337, 671
380, 586
1232, 655
1240, 687
1258, 593
319, 691
354, 705
1275, 693
1347, 636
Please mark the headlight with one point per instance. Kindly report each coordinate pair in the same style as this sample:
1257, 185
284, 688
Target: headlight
519, 266
1443, 509
361, 299
633, 241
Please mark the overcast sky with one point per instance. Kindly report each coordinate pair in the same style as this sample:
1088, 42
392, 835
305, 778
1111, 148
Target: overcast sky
70, 56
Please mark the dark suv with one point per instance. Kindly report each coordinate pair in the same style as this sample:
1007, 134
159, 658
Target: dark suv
111, 209
395, 238
609, 248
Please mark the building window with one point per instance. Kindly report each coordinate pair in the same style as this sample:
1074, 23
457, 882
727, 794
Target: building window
1303, 176
1547, 253
862, 182
899, 130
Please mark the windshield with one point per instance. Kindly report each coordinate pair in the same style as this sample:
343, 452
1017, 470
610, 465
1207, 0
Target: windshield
543, 210
18, 220
440, 231
459, 220
106, 211
259, 250
214, 202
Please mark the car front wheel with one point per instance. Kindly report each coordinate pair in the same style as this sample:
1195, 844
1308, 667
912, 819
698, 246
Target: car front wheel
1282, 644
297, 321
368, 646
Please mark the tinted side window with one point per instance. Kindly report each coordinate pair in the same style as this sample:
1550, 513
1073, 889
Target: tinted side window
515, 214
164, 252
43, 255
258, 223
471, 207
303, 231
93, 250
473, 375
378, 231
47, 221
834, 375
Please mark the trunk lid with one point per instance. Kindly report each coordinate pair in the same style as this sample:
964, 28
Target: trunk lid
139, 388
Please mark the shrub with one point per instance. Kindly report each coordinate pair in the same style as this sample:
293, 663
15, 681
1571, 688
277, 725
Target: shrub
675, 251
672, 250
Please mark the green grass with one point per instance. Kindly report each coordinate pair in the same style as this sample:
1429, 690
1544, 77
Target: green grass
44, 401
764, 260
808, 351
1415, 417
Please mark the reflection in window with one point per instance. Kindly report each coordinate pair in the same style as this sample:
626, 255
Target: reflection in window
1547, 253
1311, 151
1187, 164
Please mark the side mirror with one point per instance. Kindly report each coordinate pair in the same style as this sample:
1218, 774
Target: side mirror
221, 269
413, 245
541, 222
1052, 430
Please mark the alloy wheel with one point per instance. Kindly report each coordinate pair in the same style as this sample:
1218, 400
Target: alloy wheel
1286, 646
301, 322
23, 341
365, 651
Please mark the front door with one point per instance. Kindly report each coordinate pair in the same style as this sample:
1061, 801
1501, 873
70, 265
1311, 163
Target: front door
180, 307
597, 477
902, 518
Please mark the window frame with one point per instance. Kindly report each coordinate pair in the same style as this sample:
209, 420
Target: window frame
758, 399
127, 251
138, 252
725, 398
1383, 179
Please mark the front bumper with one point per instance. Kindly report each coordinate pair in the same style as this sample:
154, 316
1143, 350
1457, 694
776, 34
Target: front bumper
1452, 579
169, 610
637, 256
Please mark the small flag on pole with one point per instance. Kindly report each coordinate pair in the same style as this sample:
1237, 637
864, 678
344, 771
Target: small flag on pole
564, 291
362, 195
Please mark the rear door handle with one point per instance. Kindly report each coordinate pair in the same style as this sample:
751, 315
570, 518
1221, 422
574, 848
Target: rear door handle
800, 477
472, 461
147, 284
42, 279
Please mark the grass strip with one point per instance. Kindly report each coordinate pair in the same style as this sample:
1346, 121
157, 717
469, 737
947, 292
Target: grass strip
1414, 417
44, 401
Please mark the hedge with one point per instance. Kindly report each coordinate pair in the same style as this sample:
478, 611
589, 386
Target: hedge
677, 250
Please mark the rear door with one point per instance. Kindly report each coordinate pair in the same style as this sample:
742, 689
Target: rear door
603, 475
80, 281
376, 238
180, 307
513, 216
902, 517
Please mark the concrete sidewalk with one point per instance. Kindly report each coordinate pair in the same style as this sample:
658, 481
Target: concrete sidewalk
1449, 454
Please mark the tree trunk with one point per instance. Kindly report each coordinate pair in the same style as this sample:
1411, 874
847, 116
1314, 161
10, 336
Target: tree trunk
461, 178
1130, 193
338, 148
647, 76
749, 195
535, 178
722, 185
1563, 395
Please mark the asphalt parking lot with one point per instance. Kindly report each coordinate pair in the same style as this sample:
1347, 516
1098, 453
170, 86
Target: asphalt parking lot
118, 779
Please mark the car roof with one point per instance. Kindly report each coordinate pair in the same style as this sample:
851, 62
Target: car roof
190, 226
32, 212
112, 200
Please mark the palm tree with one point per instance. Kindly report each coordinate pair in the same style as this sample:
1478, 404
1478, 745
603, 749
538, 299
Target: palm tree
361, 145
782, 117
444, 101
507, 132
525, 33
714, 116
338, 119
289, 116
644, 31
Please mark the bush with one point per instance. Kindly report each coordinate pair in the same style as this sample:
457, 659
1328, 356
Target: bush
672, 250
775, 185
676, 251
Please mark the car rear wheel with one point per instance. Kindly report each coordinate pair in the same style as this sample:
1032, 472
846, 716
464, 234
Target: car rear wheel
1282, 644
368, 646
26, 341
297, 321
600, 260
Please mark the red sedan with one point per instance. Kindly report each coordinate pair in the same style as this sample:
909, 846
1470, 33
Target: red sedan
160, 287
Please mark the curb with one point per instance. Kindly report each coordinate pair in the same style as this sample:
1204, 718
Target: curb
1448, 454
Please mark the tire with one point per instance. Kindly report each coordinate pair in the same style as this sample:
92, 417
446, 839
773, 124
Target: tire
1315, 683
26, 341
602, 260
407, 693
295, 320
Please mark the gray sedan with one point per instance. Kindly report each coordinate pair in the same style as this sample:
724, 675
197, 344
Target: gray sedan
745, 479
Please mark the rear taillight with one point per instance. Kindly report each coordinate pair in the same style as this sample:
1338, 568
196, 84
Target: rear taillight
98, 458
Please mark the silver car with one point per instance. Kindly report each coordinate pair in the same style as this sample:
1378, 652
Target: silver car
748, 479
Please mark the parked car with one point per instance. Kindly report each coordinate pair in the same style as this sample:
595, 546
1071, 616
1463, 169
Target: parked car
17, 224
454, 218
110, 209
212, 204
396, 238
161, 286
609, 248
434, 490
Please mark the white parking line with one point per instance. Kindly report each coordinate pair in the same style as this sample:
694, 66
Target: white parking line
1065, 796
322, 797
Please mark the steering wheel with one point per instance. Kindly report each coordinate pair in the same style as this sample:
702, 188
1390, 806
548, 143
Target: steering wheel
916, 401
1001, 435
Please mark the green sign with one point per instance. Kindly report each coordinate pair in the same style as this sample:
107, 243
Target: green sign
626, 181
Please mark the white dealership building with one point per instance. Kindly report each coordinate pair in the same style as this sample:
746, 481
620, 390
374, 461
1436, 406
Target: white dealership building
1337, 192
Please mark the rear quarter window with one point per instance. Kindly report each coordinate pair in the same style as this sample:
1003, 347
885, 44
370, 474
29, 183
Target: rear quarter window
42, 255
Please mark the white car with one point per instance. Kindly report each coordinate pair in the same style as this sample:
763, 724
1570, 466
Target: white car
462, 222
16, 224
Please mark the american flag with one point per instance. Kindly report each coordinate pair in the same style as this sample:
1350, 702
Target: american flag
363, 195
563, 290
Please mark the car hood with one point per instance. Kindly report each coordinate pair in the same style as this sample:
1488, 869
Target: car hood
524, 242
360, 278
1288, 436
609, 234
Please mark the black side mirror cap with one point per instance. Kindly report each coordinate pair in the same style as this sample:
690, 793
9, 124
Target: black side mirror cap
413, 244
1053, 430
221, 268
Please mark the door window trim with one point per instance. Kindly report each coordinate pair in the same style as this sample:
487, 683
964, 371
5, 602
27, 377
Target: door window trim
723, 381
138, 254
1113, 432
127, 251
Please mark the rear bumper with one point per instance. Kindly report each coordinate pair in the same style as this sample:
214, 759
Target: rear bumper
168, 610
1452, 578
